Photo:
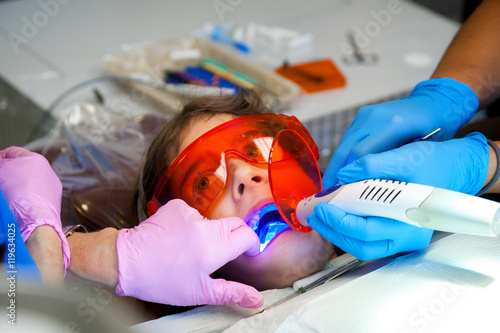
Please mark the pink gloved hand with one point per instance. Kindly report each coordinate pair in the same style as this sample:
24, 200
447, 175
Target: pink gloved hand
33, 192
169, 257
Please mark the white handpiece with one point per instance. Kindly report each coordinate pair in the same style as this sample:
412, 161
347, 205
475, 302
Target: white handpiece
418, 205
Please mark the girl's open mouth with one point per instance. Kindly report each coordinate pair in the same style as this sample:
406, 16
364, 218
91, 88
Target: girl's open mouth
267, 224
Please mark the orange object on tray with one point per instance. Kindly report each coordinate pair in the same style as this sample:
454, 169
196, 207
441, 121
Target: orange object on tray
314, 76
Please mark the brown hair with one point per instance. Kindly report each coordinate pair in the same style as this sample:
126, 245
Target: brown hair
165, 146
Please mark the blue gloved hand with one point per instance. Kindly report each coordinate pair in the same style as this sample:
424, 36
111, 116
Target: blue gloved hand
367, 238
460, 164
436, 103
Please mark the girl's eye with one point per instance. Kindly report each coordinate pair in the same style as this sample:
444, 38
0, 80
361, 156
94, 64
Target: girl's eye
202, 183
251, 151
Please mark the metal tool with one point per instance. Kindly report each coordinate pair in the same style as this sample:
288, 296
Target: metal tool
357, 57
423, 138
351, 263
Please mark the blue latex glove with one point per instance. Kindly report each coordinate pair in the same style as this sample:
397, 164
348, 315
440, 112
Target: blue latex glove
436, 103
367, 238
459, 165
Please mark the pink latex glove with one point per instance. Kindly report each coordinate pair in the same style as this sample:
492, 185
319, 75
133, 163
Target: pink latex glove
33, 192
169, 257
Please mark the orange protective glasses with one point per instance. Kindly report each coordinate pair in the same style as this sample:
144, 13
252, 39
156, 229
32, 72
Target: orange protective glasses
198, 175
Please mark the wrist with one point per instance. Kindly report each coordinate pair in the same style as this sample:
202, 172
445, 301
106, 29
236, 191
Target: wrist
473, 158
55, 227
453, 89
44, 246
490, 185
93, 256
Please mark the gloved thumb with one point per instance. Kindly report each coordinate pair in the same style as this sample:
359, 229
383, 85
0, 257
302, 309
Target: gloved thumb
243, 238
222, 292
386, 165
14, 152
354, 171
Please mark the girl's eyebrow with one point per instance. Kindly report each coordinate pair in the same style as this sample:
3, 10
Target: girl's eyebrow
247, 136
196, 164
188, 172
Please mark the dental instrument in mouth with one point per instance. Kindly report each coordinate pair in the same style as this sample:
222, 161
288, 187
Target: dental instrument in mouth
267, 224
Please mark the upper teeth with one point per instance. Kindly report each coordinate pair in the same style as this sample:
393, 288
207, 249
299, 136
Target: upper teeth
253, 220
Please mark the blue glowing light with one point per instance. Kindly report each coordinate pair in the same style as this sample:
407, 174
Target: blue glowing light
270, 225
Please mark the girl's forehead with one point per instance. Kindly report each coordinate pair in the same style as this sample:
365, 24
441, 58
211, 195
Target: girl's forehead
200, 126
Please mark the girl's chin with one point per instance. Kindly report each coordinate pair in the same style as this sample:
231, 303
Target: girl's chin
289, 257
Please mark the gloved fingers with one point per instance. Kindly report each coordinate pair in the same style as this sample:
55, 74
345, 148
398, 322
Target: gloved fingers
374, 166
379, 142
21, 169
401, 164
351, 137
361, 249
360, 140
340, 158
222, 292
365, 229
346, 224
414, 239
14, 152
360, 121
427, 163
242, 239
380, 235
338, 161
175, 208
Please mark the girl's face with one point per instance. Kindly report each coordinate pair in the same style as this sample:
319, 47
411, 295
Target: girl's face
291, 255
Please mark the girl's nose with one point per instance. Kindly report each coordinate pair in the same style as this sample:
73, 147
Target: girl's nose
246, 177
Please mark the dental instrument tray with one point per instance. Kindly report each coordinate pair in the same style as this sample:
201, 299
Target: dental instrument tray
148, 64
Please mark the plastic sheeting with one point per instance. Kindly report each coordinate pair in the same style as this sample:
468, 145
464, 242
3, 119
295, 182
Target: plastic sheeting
452, 286
97, 153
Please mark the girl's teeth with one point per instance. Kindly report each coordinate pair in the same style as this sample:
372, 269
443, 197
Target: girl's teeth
253, 221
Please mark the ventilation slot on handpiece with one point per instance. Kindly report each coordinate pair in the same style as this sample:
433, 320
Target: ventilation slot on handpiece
379, 189
364, 191
382, 193
387, 197
385, 191
394, 197
370, 192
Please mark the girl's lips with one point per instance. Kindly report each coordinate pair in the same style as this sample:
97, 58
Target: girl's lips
267, 224
252, 219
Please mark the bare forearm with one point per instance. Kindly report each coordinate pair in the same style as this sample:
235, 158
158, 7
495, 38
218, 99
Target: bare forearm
473, 56
94, 257
492, 167
44, 246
